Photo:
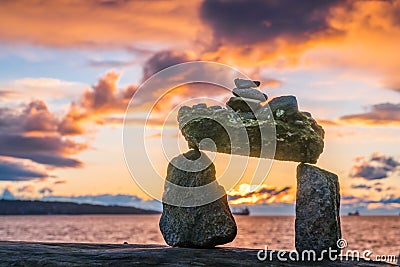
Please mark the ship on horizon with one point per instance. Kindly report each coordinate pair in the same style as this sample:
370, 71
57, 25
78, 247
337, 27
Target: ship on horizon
240, 211
356, 213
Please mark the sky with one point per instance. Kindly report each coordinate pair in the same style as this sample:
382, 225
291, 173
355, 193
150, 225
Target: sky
69, 68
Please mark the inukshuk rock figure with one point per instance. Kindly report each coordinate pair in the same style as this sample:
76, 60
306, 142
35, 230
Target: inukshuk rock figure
298, 138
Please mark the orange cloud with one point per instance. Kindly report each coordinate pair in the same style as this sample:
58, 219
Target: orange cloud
356, 34
265, 194
95, 23
370, 40
102, 99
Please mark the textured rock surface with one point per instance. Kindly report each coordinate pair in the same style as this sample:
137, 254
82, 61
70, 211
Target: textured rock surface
79, 254
250, 93
243, 104
242, 83
317, 209
287, 104
298, 137
203, 226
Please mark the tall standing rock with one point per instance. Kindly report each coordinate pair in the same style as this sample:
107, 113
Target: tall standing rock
185, 225
317, 209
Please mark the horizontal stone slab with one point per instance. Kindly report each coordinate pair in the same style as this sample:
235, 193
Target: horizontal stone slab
296, 137
80, 254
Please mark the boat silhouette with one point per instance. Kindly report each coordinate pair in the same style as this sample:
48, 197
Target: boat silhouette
356, 213
240, 211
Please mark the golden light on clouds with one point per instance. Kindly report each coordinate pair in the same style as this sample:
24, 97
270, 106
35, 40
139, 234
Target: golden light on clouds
264, 194
318, 50
91, 23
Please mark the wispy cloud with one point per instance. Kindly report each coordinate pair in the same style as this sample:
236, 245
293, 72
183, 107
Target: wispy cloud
265, 194
12, 169
379, 114
378, 166
23, 89
384, 205
26, 189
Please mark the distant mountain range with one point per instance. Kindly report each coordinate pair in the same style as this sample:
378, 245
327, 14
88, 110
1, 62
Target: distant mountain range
35, 207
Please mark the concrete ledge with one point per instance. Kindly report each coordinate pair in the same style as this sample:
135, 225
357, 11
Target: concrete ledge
78, 254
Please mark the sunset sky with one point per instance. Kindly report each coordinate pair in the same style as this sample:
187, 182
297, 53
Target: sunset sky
69, 69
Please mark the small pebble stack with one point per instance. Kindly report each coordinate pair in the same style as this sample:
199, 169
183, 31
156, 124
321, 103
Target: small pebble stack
247, 100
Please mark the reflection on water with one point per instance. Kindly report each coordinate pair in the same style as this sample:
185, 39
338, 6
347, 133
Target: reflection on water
381, 234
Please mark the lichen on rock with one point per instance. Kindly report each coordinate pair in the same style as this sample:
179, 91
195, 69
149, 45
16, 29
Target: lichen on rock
298, 136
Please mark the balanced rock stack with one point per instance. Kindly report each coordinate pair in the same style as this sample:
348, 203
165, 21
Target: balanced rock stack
296, 136
246, 99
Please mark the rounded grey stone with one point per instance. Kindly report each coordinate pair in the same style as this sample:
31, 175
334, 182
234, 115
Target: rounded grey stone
243, 104
250, 93
243, 83
284, 105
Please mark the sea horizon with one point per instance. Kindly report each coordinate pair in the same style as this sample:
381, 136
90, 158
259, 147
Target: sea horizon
377, 233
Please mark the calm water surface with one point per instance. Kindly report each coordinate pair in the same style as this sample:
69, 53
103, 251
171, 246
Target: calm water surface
381, 234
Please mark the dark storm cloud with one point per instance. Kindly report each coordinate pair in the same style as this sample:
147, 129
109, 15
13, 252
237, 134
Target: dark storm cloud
376, 167
162, 60
385, 113
37, 117
11, 170
247, 22
45, 150
46, 146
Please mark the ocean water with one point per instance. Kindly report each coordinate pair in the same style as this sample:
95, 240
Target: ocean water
380, 234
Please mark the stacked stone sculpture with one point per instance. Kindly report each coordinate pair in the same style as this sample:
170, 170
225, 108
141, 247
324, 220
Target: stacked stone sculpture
297, 137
